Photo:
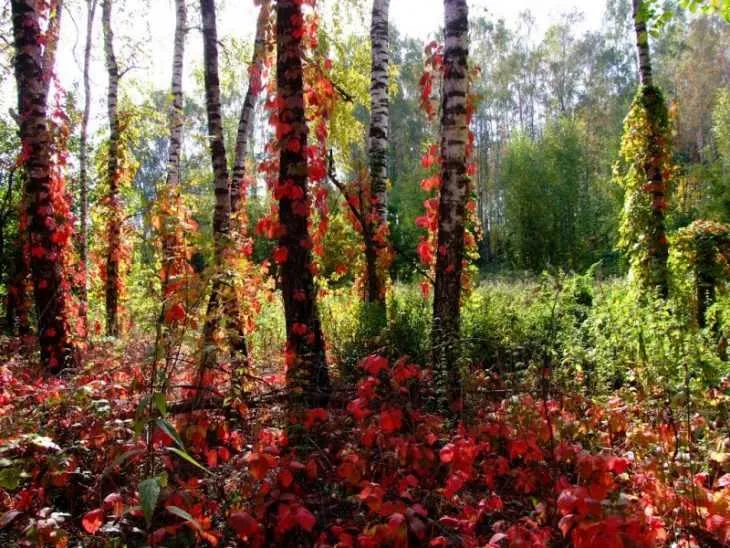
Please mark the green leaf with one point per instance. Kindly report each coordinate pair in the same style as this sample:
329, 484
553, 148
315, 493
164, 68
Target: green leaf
10, 478
160, 403
169, 429
187, 457
149, 492
179, 512
139, 412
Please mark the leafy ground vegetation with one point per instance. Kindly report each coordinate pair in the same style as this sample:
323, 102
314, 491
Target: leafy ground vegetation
556, 443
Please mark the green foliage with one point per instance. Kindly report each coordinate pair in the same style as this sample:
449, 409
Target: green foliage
721, 127
409, 323
709, 6
149, 493
352, 329
700, 264
717, 203
10, 195
410, 134
343, 258
557, 212
585, 330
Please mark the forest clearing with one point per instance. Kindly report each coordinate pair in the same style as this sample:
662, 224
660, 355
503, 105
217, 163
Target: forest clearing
364, 273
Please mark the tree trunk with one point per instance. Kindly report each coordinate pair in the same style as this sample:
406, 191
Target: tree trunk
236, 328
45, 251
378, 148
222, 212
83, 170
453, 199
252, 94
307, 375
49, 53
114, 224
176, 119
642, 44
175, 125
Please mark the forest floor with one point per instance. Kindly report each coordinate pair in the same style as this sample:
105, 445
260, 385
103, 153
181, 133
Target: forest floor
89, 459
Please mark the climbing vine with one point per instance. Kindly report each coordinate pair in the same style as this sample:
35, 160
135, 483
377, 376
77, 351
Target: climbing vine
111, 213
645, 176
431, 184
700, 263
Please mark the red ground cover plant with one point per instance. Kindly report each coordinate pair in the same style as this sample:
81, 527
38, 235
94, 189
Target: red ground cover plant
377, 468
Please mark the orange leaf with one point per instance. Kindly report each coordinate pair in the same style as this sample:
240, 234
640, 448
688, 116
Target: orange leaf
93, 520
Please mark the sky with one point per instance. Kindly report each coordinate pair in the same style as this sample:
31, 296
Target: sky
419, 18
146, 27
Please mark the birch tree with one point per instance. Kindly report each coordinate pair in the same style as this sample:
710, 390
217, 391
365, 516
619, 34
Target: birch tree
175, 123
113, 175
453, 198
222, 211
84, 165
376, 231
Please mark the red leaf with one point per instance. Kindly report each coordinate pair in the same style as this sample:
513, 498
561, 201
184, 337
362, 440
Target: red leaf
115, 503
425, 253
618, 465
449, 521
285, 478
447, 453
176, 313
37, 251
244, 525
258, 464
358, 409
305, 518
425, 289
374, 364
281, 255
493, 503
391, 420
396, 520
431, 183
299, 329
454, 483
313, 416
93, 520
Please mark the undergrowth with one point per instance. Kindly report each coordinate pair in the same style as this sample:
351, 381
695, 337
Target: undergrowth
591, 419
